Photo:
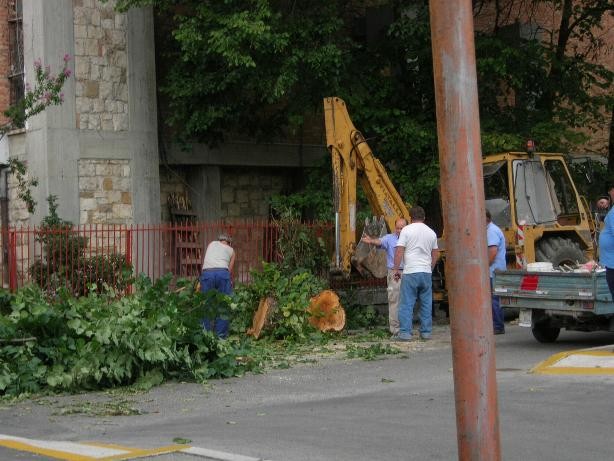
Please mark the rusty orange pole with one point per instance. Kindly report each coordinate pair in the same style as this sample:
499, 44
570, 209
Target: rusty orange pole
458, 132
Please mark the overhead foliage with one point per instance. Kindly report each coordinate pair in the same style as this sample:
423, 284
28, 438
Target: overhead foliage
248, 66
260, 68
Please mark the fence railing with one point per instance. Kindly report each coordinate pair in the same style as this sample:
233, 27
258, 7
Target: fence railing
80, 255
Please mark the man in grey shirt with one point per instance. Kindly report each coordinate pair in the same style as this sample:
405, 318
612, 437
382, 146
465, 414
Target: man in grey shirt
216, 275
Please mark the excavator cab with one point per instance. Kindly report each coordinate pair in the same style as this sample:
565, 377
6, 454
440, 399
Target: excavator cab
533, 199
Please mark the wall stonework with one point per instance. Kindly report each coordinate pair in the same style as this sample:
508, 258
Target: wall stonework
171, 182
18, 212
104, 192
246, 192
101, 64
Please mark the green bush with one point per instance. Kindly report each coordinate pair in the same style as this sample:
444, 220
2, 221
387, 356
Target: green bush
65, 265
292, 292
298, 246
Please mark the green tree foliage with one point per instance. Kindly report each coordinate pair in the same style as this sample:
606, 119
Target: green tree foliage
541, 81
249, 66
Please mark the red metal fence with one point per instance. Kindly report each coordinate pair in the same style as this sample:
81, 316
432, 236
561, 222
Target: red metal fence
81, 255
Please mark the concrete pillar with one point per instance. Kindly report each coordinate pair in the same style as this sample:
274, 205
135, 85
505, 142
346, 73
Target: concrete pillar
205, 192
52, 143
142, 116
56, 140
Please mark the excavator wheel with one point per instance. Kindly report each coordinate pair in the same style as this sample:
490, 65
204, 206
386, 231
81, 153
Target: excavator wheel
559, 251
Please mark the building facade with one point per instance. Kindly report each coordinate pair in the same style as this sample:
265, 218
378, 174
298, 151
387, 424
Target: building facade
101, 152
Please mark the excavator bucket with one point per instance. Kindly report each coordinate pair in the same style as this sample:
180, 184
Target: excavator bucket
368, 259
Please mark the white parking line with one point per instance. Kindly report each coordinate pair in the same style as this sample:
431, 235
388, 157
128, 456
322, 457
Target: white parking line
76, 451
70, 448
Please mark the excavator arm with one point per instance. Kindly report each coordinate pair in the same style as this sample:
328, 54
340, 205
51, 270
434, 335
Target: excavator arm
352, 159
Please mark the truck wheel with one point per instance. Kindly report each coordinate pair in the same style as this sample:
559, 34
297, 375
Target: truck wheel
558, 251
544, 333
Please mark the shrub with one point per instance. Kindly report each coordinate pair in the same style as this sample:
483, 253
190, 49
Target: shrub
292, 291
65, 265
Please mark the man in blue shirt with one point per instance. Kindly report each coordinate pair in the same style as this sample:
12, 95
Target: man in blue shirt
496, 259
606, 245
388, 242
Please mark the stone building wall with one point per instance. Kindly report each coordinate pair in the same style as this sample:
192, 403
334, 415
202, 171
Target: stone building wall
100, 66
104, 192
18, 212
171, 182
246, 191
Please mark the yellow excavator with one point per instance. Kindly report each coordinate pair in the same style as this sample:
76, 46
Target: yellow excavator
352, 159
531, 196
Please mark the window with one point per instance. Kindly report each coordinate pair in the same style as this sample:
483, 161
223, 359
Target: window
16, 67
496, 193
564, 195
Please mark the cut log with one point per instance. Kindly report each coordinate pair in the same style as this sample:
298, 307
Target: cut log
326, 311
262, 316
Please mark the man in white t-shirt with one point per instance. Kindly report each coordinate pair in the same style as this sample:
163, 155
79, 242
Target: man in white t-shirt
417, 248
216, 275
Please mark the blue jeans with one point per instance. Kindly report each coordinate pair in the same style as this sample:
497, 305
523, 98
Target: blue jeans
497, 312
416, 286
216, 279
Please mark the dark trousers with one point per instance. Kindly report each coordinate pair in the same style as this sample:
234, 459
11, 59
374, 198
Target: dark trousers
497, 312
216, 279
609, 277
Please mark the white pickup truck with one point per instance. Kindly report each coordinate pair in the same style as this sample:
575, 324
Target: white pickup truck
549, 301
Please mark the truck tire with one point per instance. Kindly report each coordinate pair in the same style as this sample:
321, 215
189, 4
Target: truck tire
545, 333
558, 251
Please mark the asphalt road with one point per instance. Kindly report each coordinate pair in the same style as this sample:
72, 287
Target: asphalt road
399, 408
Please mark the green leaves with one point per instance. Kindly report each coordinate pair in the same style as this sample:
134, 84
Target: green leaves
292, 292
99, 341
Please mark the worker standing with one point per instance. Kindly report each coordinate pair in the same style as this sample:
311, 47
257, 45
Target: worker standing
389, 242
216, 275
417, 248
496, 259
606, 245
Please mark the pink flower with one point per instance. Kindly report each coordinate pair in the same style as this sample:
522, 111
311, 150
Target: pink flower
66, 57
61, 97
47, 97
37, 64
67, 73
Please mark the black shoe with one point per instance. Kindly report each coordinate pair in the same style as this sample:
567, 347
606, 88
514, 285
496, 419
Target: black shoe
499, 332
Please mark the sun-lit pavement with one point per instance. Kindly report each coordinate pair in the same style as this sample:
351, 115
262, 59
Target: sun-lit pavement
595, 361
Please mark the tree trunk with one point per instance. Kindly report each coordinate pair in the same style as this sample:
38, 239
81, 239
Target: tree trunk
611, 144
547, 100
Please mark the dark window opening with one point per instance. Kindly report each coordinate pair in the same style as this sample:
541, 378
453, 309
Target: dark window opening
16, 67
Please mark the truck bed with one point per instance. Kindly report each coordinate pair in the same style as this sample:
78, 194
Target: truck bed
570, 292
